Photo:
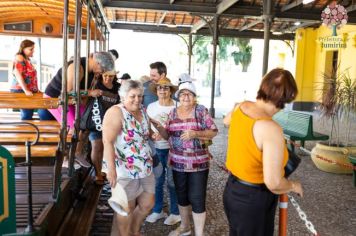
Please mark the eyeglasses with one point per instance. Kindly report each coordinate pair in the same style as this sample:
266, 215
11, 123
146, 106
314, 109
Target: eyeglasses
181, 95
165, 88
108, 75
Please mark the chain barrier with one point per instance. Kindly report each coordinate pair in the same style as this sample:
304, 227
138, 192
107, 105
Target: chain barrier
349, 166
303, 216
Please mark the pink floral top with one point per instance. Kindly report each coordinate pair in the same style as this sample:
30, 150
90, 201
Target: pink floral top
133, 154
29, 74
191, 155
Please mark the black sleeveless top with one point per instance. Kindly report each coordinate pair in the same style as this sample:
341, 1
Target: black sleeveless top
110, 97
54, 87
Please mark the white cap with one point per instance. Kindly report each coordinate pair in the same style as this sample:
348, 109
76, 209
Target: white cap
188, 86
118, 200
185, 78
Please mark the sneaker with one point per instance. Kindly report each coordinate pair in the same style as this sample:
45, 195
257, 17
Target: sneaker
82, 161
172, 219
180, 232
155, 216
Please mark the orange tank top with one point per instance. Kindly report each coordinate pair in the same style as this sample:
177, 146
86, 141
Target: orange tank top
244, 159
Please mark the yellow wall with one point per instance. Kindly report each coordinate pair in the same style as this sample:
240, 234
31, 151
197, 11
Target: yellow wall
312, 60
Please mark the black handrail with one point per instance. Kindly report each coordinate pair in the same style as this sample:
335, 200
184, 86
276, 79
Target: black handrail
28, 164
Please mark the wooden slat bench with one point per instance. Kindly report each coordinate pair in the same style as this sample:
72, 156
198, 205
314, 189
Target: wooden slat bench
298, 126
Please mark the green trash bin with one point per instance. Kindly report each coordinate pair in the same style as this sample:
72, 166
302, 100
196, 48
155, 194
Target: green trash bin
353, 162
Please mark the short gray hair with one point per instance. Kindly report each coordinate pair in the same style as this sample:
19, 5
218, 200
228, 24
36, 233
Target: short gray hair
105, 61
129, 85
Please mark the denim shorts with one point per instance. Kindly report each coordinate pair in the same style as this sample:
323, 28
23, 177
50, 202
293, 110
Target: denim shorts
95, 135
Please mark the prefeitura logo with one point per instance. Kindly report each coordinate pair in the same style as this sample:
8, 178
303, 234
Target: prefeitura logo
334, 15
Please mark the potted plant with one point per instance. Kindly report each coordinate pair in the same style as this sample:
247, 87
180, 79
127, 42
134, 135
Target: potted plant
338, 104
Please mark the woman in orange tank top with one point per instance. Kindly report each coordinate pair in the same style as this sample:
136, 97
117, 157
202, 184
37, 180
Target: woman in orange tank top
256, 157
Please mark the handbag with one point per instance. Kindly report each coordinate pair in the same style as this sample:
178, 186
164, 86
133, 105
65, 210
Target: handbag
203, 143
292, 164
92, 118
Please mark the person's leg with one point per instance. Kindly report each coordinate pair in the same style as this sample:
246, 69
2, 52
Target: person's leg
145, 202
97, 149
197, 183
44, 114
123, 222
172, 193
160, 183
26, 114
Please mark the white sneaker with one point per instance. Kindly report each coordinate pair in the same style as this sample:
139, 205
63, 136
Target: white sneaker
180, 232
155, 216
172, 219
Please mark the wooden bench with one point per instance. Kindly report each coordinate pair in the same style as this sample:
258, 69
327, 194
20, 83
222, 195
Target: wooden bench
298, 126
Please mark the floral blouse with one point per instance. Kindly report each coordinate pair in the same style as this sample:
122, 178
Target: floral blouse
191, 155
133, 154
29, 74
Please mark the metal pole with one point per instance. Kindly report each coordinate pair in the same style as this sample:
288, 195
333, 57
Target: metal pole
76, 82
29, 228
95, 39
39, 64
283, 214
88, 46
190, 53
108, 40
215, 42
267, 16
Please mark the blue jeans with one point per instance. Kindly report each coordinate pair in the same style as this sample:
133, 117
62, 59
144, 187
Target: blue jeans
44, 114
163, 156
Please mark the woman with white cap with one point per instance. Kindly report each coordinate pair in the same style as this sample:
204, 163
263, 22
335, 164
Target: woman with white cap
187, 128
159, 111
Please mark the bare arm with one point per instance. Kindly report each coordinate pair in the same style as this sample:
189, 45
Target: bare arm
112, 127
70, 76
269, 136
227, 118
19, 77
201, 134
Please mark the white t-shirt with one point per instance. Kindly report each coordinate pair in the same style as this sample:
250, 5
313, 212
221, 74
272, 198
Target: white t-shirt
160, 113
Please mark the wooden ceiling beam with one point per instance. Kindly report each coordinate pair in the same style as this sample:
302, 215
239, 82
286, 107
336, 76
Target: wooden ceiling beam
204, 31
249, 25
291, 5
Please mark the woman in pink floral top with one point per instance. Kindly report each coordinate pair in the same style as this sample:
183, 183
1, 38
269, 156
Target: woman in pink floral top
25, 78
127, 156
188, 129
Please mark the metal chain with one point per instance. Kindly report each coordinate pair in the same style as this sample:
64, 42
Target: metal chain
303, 216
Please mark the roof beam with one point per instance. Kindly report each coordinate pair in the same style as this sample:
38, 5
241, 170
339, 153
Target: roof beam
210, 9
249, 25
224, 5
171, 1
302, 25
164, 6
291, 5
351, 8
162, 18
186, 30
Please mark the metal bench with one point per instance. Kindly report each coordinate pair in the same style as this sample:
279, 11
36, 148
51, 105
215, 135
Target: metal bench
297, 126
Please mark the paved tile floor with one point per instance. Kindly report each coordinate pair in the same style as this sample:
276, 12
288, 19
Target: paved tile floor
329, 201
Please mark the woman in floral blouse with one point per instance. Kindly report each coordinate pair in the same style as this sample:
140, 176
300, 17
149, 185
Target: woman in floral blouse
25, 78
127, 156
188, 130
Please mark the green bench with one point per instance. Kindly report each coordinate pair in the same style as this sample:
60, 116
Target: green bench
297, 126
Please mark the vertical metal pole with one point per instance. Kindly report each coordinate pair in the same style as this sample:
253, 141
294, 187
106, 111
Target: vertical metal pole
39, 64
64, 104
215, 42
108, 40
88, 46
267, 16
190, 53
29, 228
95, 38
283, 214
76, 82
